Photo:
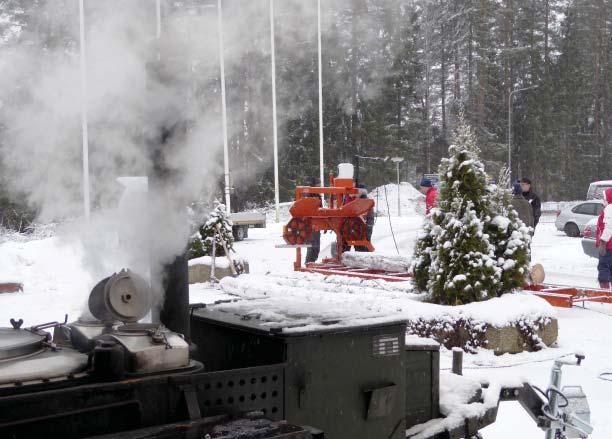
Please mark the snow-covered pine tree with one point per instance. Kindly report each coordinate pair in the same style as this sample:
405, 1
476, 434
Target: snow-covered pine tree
217, 230
508, 235
461, 266
422, 255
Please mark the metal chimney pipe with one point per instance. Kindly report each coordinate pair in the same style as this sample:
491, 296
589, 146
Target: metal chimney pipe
175, 309
174, 276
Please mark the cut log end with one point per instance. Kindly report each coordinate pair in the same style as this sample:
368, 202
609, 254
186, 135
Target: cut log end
10, 287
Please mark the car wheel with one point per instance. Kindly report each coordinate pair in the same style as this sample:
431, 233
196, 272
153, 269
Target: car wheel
239, 233
572, 230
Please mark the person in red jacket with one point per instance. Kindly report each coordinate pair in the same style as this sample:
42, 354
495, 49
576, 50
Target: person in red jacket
603, 241
431, 194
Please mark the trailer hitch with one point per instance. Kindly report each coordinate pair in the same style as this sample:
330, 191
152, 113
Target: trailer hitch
561, 412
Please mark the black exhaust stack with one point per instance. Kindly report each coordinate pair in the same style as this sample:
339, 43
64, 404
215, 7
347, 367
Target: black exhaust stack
356, 169
174, 313
175, 310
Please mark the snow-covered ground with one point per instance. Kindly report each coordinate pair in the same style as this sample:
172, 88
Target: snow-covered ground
55, 283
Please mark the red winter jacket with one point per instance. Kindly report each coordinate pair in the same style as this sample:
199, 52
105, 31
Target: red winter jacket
601, 221
430, 199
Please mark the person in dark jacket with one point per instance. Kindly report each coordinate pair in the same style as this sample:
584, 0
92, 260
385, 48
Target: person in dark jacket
522, 206
370, 218
312, 252
533, 199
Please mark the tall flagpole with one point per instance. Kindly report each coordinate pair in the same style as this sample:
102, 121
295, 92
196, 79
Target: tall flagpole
158, 18
274, 123
224, 109
83, 67
321, 164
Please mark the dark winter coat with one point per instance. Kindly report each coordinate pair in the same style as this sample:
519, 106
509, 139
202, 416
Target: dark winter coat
312, 253
523, 209
536, 206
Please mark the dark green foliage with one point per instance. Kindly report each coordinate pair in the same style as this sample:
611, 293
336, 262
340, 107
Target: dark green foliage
473, 247
471, 335
216, 232
422, 257
13, 214
395, 75
461, 268
508, 235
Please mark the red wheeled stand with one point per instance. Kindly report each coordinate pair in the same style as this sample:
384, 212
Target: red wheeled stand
344, 215
564, 296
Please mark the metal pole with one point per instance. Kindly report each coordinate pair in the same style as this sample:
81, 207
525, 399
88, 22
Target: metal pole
321, 163
274, 123
553, 401
510, 96
224, 110
158, 18
85, 140
398, 190
510, 137
457, 367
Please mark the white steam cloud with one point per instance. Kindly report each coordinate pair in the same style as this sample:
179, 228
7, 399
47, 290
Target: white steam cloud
146, 118
140, 90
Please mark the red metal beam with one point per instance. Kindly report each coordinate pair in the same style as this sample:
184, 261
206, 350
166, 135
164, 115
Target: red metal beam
564, 296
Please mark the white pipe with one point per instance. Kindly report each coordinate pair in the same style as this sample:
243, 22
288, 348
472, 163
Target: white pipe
224, 110
399, 187
83, 67
321, 164
158, 18
274, 123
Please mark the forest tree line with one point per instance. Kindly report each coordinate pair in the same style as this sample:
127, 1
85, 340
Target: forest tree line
396, 73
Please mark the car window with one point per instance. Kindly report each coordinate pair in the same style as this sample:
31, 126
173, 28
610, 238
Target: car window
586, 209
591, 192
599, 208
596, 192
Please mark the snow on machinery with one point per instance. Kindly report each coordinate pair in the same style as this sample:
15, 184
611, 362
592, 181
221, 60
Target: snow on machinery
112, 376
115, 376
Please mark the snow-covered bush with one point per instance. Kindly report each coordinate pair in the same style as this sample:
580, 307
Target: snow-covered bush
508, 235
217, 232
471, 334
456, 259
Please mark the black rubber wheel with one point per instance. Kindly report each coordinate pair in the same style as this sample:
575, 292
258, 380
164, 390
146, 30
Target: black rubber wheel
239, 233
572, 230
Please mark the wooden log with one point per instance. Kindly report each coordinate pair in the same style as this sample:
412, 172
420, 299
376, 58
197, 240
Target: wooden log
10, 287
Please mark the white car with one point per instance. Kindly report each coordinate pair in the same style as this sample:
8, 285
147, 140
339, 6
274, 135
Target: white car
588, 239
573, 219
597, 188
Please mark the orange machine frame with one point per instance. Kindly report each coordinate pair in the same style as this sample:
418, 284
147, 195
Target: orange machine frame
344, 218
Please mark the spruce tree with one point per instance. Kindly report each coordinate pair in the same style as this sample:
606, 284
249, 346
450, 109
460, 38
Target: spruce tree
423, 255
217, 232
508, 235
461, 266
474, 246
